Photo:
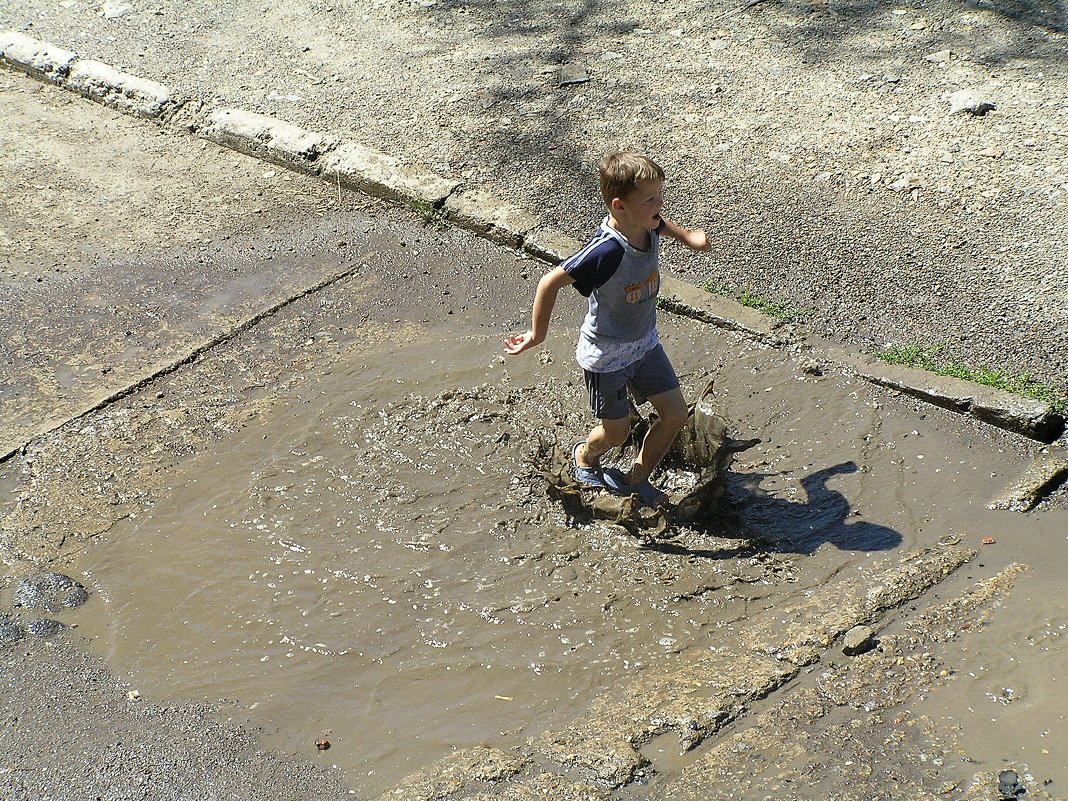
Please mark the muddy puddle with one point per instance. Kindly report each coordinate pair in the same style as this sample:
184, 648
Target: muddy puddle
1005, 699
375, 560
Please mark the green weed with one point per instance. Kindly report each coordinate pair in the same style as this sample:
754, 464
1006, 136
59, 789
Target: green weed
929, 358
431, 215
716, 288
781, 311
784, 312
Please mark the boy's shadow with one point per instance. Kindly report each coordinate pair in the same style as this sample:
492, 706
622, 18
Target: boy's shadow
802, 527
783, 526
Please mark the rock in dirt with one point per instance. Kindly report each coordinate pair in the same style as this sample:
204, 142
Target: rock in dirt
967, 101
571, 74
1009, 786
858, 640
49, 592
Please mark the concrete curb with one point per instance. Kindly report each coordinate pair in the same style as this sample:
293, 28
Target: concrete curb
1048, 472
1032, 418
355, 166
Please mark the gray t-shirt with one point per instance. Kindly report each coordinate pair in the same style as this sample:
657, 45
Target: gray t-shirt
621, 283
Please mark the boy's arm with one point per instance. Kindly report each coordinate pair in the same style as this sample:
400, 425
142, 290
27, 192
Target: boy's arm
695, 240
544, 299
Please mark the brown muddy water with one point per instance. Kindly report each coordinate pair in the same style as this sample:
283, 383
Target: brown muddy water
375, 560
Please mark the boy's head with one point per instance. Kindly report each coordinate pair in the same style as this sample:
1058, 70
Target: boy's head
622, 172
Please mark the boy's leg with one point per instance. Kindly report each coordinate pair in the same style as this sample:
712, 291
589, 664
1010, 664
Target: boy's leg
672, 414
604, 436
608, 402
654, 379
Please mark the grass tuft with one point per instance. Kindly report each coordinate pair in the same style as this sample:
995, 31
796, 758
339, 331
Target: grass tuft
431, 215
929, 358
782, 311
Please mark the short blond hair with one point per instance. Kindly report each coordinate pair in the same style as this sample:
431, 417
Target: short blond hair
622, 172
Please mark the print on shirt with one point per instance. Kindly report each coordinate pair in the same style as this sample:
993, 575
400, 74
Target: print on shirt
652, 283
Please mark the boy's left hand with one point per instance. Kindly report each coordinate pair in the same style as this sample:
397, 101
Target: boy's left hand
697, 240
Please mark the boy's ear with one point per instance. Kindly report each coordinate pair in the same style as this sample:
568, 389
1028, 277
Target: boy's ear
616, 204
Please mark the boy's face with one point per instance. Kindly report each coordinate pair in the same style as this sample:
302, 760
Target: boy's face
642, 206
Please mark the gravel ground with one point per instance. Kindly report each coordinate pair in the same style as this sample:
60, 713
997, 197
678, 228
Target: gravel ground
814, 140
58, 704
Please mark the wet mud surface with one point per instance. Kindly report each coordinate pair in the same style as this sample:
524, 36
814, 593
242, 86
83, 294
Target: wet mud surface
375, 557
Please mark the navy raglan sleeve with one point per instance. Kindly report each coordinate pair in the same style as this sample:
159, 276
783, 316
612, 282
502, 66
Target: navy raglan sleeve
592, 266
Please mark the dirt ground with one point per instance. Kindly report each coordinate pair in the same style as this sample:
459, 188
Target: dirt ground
815, 140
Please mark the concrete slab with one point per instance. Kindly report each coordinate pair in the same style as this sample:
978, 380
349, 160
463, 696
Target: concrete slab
479, 211
37, 59
267, 138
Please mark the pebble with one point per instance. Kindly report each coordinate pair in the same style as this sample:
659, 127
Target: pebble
113, 9
858, 640
570, 74
967, 101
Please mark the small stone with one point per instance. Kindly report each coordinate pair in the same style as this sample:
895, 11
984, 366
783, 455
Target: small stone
1009, 786
322, 744
112, 9
858, 640
570, 74
992, 152
966, 101
939, 56
906, 182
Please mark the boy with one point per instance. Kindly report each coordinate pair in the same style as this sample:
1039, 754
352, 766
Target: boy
618, 343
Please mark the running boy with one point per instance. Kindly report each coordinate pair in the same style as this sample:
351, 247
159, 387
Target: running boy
618, 343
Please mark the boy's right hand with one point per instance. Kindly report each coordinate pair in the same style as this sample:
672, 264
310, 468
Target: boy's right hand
517, 343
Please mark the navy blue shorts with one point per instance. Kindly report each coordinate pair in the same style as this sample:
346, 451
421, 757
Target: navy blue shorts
651, 375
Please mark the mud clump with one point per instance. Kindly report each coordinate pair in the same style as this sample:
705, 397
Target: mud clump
49, 592
694, 475
10, 631
44, 627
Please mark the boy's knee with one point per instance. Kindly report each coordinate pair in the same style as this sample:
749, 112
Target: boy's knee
675, 418
672, 412
616, 432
